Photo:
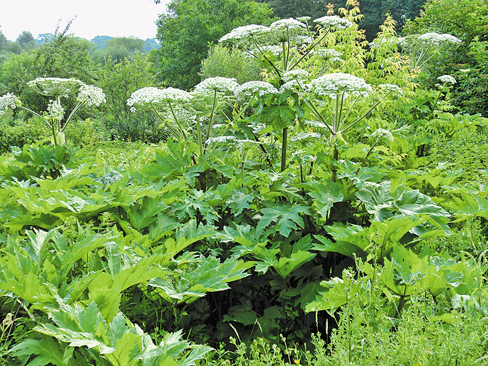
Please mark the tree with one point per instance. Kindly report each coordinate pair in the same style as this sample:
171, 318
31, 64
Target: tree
191, 26
62, 56
26, 40
374, 11
118, 49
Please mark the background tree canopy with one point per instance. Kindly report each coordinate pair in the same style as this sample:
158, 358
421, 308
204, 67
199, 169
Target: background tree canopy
188, 29
374, 11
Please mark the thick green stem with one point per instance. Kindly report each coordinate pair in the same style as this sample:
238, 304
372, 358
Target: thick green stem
176, 120
283, 148
212, 117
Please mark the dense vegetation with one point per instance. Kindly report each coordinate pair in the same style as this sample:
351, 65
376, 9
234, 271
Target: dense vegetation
315, 199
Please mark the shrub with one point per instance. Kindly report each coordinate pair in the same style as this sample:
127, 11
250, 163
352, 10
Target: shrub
230, 63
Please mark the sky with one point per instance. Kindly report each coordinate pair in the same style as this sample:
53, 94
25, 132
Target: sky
115, 18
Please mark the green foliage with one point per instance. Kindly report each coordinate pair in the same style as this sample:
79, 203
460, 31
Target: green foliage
118, 49
230, 63
189, 27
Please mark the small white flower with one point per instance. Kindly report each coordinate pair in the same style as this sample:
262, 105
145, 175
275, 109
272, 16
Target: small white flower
55, 109
333, 21
316, 124
7, 101
447, 79
303, 19
305, 136
275, 50
391, 88
293, 86
91, 95
254, 88
465, 70
220, 139
243, 32
55, 87
302, 40
326, 53
297, 74
382, 133
219, 84
333, 84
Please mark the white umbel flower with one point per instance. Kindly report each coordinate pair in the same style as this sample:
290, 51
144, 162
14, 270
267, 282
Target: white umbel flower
55, 109
332, 84
91, 95
151, 95
286, 24
326, 53
219, 84
447, 79
254, 88
7, 101
55, 87
244, 32
297, 74
437, 39
332, 21
392, 88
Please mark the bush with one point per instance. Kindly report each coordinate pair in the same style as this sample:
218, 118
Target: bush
19, 133
230, 63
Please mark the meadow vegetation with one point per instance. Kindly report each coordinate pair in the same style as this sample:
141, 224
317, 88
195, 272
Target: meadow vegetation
316, 199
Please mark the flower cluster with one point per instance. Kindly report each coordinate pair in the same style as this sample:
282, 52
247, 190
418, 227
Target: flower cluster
306, 136
447, 79
55, 87
55, 110
297, 74
292, 86
244, 32
326, 53
339, 83
381, 133
219, 84
151, 95
437, 39
91, 95
286, 24
254, 88
392, 88
7, 101
332, 21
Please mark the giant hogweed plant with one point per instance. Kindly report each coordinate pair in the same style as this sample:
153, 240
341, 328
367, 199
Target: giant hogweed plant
57, 88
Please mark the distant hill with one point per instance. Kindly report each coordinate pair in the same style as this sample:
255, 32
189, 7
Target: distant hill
101, 41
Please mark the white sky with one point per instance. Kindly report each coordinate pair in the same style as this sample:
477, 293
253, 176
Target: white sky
115, 18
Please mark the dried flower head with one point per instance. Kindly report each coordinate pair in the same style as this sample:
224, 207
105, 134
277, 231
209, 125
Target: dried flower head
332, 21
218, 84
339, 83
7, 101
55, 87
